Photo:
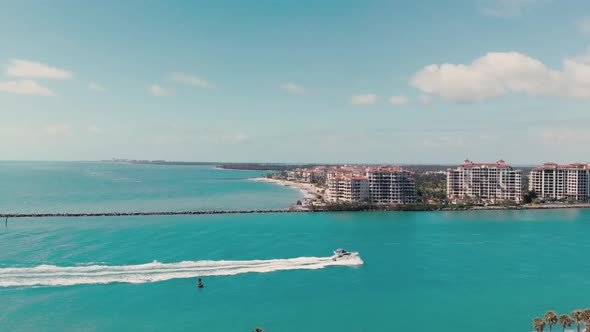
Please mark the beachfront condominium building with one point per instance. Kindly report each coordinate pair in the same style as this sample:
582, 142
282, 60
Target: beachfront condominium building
487, 182
348, 188
556, 181
308, 175
390, 185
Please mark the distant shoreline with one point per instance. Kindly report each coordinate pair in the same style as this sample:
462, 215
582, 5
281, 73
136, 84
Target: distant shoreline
218, 168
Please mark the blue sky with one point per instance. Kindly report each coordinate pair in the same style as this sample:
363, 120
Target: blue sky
296, 81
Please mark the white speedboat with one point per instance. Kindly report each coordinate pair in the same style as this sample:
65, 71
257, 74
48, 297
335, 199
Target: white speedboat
343, 254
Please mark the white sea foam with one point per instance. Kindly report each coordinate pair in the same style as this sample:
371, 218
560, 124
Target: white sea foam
51, 275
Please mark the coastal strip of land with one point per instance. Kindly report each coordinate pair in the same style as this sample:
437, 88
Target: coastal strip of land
314, 193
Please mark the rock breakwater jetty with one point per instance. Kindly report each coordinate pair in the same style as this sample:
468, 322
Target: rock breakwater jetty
130, 214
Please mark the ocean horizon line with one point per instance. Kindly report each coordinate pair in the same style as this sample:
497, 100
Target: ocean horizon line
196, 163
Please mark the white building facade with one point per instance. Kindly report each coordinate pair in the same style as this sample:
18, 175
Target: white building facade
554, 181
487, 182
376, 185
389, 185
348, 189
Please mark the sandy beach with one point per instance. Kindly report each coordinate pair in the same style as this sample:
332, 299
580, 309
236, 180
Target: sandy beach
309, 190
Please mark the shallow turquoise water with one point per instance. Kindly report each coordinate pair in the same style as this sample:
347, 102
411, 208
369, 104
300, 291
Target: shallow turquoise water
80, 187
451, 271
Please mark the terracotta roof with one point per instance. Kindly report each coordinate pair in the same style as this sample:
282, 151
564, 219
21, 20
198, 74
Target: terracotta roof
388, 170
555, 166
470, 164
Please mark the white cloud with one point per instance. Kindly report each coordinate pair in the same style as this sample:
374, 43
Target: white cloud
220, 138
25, 87
191, 80
157, 90
584, 26
6, 132
425, 99
490, 136
584, 57
30, 69
496, 74
429, 143
508, 8
294, 88
95, 130
59, 129
237, 138
443, 141
367, 99
559, 136
399, 100
92, 86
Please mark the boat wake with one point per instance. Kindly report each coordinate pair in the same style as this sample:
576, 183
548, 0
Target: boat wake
51, 275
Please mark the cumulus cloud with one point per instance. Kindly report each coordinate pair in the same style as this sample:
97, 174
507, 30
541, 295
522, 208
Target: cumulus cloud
293, 88
95, 130
582, 58
508, 8
157, 90
25, 87
367, 99
92, 86
30, 69
58, 129
425, 99
191, 80
399, 100
496, 74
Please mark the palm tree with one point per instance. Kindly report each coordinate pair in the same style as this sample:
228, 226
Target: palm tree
565, 321
538, 324
577, 315
551, 318
586, 317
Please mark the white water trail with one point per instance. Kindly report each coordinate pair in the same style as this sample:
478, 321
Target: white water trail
51, 275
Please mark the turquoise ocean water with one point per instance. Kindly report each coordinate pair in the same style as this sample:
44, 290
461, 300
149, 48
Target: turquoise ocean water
422, 271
